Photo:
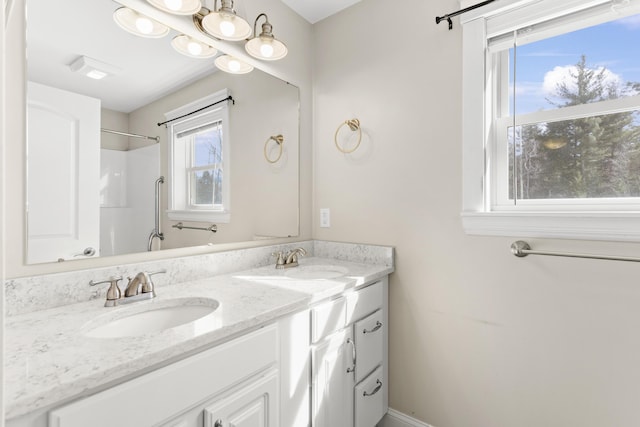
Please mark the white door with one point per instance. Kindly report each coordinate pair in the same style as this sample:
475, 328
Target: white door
255, 405
63, 174
333, 380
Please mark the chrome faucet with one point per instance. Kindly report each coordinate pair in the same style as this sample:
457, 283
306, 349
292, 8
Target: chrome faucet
289, 260
139, 288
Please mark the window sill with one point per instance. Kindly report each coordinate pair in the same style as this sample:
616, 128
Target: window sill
200, 216
611, 226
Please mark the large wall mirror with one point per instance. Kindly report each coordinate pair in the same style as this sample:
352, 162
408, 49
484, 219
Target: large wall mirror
91, 189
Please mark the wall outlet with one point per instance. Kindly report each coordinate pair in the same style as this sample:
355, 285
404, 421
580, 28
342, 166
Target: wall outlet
325, 218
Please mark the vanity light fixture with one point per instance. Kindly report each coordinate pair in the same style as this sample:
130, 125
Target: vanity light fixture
232, 65
93, 68
265, 46
178, 7
224, 24
192, 48
138, 24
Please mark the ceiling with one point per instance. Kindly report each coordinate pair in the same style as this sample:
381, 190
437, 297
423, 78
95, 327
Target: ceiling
316, 10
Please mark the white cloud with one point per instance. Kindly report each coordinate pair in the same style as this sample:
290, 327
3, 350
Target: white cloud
563, 74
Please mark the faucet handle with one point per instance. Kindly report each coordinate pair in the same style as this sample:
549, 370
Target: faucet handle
279, 259
148, 285
113, 293
163, 271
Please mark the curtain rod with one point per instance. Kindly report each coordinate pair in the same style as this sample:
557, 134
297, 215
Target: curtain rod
228, 98
132, 135
522, 249
448, 16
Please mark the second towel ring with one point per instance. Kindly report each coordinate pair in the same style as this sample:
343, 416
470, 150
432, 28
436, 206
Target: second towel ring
354, 125
279, 139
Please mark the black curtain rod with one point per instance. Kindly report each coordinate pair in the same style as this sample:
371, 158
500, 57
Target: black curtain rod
448, 16
228, 98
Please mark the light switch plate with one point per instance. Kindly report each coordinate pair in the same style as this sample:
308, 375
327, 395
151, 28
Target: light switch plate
325, 218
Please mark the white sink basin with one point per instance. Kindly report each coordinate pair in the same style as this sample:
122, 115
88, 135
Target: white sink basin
154, 317
316, 272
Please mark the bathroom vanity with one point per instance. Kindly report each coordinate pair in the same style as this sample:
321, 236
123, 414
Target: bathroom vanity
295, 347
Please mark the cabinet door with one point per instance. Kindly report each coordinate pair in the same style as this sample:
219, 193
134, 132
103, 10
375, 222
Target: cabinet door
254, 405
333, 380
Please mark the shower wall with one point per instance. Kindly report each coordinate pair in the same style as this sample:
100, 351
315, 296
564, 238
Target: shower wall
127, 189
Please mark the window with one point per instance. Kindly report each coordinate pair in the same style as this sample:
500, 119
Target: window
552, 119
199, 161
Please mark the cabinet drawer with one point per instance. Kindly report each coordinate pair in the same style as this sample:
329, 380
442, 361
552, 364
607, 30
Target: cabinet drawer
369, 399
328, 318
156, 397
365, 301
369, 338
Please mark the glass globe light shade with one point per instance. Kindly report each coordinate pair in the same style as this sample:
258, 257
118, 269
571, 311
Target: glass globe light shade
232, 65
138, 24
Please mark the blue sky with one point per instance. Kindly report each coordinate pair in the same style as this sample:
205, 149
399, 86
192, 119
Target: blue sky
614, 46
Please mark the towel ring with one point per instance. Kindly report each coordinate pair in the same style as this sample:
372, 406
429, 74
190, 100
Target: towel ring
279, 139
354, 125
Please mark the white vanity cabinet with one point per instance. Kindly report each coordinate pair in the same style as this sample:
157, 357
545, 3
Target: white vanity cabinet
349, 358
242, 383
156, 398
323, 366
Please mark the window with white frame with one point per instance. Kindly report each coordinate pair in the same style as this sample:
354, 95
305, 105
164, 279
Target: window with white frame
552, 119
199, 161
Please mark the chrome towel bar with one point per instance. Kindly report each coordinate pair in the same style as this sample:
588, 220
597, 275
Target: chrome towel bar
212, 228
522, 249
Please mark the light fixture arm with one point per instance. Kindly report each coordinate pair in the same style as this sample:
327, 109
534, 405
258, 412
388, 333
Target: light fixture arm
265, 31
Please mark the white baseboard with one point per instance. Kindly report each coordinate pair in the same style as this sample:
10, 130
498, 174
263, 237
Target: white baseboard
398, 419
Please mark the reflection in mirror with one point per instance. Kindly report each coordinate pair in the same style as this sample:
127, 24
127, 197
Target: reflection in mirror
91, 192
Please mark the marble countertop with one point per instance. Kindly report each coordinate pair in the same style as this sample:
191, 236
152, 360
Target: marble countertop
49, 359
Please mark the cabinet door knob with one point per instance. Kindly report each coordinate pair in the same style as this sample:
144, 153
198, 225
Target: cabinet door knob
218, 423
375, 390
375, 328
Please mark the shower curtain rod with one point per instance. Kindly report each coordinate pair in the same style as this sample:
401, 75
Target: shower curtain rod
132, 135
228, 98
448, 16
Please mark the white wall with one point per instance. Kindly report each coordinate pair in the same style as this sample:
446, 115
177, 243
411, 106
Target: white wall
478, 337
295, 68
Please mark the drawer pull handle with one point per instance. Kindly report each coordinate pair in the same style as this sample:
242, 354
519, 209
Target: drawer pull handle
375, 328
352, 368
375, 390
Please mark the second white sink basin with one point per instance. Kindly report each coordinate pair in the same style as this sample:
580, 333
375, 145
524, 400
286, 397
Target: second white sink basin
155, 317
316, 272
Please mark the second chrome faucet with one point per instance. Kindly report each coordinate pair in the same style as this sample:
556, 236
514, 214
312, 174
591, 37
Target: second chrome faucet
290, 259
139, 288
